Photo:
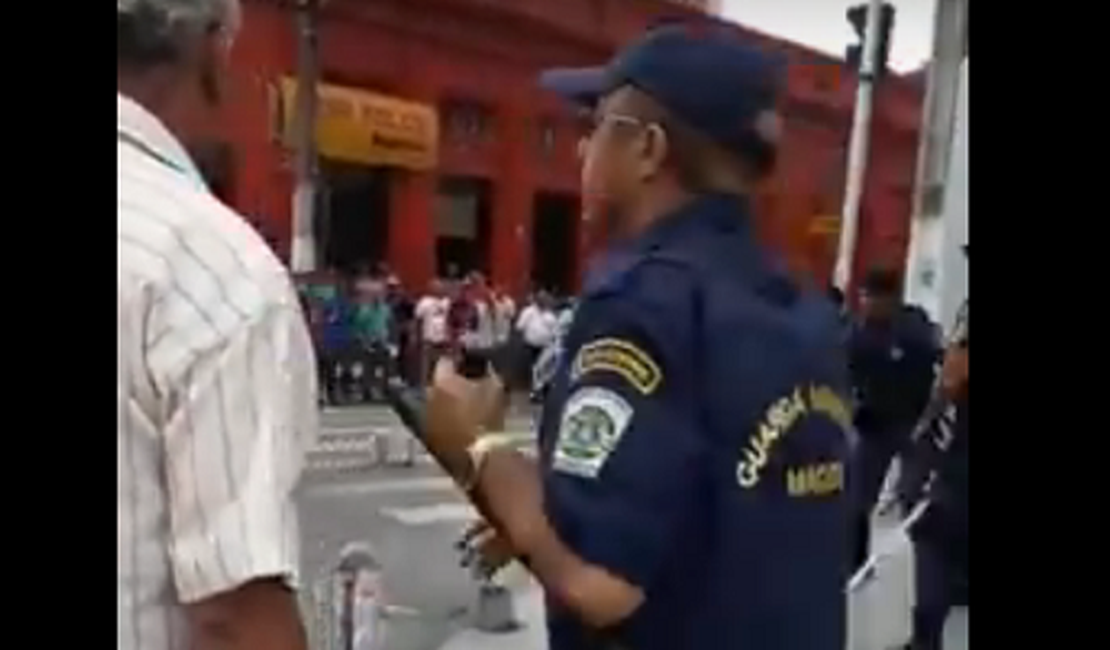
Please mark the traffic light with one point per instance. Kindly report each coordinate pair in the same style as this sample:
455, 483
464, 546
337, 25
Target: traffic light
857, 16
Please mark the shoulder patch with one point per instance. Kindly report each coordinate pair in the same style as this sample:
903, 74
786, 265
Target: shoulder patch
619, 357
590, 428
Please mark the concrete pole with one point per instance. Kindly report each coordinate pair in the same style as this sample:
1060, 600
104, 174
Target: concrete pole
303, 254
858, 149
925, 254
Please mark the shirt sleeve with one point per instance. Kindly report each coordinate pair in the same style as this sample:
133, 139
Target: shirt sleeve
629, 457
240, 414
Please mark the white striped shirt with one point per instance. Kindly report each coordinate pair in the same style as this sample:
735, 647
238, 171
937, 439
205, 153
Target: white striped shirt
216, 393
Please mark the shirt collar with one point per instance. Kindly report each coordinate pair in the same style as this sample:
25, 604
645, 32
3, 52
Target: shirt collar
142, 129
722, 213
713, 212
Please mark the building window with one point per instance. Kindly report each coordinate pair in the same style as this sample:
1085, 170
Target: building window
468, 122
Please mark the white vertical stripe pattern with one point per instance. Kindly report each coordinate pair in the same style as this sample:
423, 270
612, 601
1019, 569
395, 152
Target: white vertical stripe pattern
216, 393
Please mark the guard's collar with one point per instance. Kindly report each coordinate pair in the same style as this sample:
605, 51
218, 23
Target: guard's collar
714, 212
721, 213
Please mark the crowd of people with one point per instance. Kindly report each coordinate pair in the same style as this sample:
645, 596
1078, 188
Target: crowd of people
367, 326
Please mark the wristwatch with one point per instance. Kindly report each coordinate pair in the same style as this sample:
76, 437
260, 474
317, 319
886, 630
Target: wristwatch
478, 451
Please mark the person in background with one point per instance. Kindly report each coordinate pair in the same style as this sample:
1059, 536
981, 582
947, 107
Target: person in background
372, 325
941, 536
504, 309
366, 282
404, 334
431, 317
893, 352
462, 317
546, 366
483, 336
537, 324
339, 350
478, 334
565, 318
504, 312
216, 394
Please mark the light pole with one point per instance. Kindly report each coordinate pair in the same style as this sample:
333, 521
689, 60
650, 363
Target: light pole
858, 147
303, 253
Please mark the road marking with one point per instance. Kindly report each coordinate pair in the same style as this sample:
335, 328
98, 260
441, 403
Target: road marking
378, 487
438, 514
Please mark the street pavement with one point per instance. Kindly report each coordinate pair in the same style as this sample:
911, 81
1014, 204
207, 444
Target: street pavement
358, 488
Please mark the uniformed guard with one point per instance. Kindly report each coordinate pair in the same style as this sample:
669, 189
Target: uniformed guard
894, 349
941, 534
691, 486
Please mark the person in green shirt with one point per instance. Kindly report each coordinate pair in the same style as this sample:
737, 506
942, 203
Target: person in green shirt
373, 329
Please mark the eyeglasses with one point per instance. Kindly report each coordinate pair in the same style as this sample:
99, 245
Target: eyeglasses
594, 121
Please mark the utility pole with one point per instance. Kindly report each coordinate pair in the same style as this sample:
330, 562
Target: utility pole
930, 249
303, 254
869, 69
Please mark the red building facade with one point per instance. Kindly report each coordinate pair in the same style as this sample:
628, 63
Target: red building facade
472, 65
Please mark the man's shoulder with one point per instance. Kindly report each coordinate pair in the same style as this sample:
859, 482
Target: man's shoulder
183, 234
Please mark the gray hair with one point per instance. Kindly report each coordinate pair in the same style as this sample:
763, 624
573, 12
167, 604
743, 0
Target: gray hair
151, 32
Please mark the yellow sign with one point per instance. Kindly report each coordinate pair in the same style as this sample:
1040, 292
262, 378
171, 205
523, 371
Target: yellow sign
359, 126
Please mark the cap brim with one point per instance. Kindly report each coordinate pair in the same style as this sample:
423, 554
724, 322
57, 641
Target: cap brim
582, 86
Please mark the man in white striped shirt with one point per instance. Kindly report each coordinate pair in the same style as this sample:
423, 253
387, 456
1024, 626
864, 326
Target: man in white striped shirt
216, 380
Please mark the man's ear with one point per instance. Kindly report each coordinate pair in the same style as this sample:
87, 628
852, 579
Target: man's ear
654, 149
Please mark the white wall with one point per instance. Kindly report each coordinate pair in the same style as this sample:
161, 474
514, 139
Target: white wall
954, 277
937, 272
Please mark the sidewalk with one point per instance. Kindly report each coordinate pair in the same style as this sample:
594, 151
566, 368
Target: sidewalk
529, 608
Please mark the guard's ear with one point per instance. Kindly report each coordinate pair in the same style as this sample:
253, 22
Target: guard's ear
654, 148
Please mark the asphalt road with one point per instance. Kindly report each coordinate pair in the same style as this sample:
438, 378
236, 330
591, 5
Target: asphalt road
353, 491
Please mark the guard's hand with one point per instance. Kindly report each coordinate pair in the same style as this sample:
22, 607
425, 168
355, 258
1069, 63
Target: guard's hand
481, 401
456, 412
484, 552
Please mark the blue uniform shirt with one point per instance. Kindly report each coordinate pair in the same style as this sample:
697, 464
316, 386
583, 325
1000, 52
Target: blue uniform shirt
893, 371
695, 440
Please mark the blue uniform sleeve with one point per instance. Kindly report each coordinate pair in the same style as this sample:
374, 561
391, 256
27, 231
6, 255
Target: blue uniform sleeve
628, 457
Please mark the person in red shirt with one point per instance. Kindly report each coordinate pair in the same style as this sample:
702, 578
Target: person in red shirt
460, 316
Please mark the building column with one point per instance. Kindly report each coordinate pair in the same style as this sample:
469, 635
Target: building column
410, 250
411, 246
514, 193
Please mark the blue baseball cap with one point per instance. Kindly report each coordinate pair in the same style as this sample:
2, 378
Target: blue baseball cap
701, 73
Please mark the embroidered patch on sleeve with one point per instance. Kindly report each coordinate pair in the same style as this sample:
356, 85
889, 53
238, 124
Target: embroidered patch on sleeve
622, 358
591, 427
